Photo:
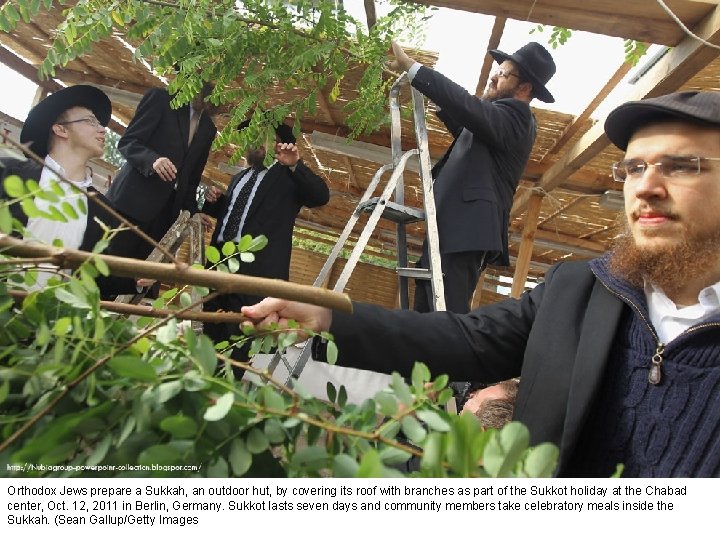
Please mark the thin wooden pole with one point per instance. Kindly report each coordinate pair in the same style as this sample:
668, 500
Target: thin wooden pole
522, 265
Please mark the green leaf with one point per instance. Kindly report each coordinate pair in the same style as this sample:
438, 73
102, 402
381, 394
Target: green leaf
185, 299
100, 451
331, 353
240, 458
218, 469
256, 441
204, 353
432, 453
62, 326
420, 375
331, 392
342, 396
394, 456
433, 420
14, 186
504, 450
69, 210
101, 266
271, 399
168, 390
4, 390
132, 368
212, 254
245, 257
234, 265
160, 454
371, 465
387, 404
179, 426
258, 243
5, 220
309, 456
221, 408
274, 431
402, 390
412, 429
541, 461
344, 466
228, 249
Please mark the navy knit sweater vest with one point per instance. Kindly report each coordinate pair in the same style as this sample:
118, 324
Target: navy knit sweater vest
671, 429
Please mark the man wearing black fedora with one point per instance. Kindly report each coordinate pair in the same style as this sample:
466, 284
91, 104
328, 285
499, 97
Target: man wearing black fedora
265, 201
476, 178
67, 130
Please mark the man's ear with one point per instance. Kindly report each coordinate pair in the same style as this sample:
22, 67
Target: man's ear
59, 131
524, 92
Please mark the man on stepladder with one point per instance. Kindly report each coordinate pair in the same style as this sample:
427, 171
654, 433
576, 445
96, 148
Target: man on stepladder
476, 178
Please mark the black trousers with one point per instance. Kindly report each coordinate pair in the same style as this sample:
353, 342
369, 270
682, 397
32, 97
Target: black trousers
461, 272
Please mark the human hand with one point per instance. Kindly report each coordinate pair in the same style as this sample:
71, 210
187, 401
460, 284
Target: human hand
206, 221
287, 154
165, 169
277, 310
212, 193
402, 61
145, 282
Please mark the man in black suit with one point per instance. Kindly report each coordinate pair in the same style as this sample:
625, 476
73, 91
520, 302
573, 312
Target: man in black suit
67, 129
166, 151
263, 201
476, 179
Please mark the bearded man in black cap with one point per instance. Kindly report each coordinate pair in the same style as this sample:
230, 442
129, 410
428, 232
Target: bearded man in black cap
476, 178
67, 129
620, 355
264, 201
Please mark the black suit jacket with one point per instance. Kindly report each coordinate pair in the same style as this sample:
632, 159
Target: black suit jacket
557, 341
157, 130
279, 198
476, 179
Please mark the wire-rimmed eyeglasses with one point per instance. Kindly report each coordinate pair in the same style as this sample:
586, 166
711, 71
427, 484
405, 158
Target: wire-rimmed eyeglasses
669, 166
94, 122
504, 73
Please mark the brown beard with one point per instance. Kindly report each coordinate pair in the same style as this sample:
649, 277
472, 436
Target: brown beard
668, 267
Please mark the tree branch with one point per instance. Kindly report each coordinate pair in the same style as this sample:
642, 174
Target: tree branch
169, 273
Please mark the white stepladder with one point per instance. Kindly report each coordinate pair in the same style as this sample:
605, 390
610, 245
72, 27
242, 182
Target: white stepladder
395, 211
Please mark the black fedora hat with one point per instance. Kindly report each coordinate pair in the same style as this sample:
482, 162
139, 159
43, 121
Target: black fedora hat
697, 107
283, 131
536, 64
42, 116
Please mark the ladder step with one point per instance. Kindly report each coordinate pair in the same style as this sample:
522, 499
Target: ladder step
415, 273
393, 211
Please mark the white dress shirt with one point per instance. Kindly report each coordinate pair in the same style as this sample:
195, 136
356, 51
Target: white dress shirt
669, 320
46, 231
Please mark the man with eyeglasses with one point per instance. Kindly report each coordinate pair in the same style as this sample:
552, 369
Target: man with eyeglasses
476, 178
67, 130
619, 357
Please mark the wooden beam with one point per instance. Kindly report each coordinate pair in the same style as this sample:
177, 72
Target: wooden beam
666, 76
642, 20
526, 246
28, 71
493, 43
76, 77
580, 121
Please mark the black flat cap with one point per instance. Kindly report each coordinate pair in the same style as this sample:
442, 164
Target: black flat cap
697, 107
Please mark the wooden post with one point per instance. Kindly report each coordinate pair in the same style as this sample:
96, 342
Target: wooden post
526, 246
